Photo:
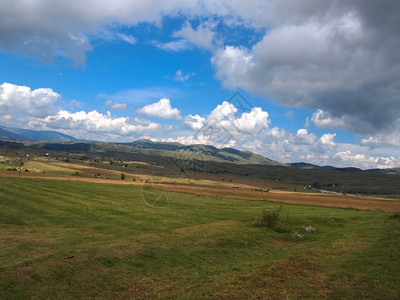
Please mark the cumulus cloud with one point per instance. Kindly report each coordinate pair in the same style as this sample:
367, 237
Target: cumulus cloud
323, 119
325, 143
225, 127
232, 64
253, 121
340, 57
202, 36
391, 140
200, 139
195, 122
94, 123
20, 103
116, 105
304, 138
160, 109
223, 112
224, 117
347, 158
20, 106
66, 28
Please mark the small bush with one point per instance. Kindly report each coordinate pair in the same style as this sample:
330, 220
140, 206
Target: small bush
270, 218
395, 215
122, 176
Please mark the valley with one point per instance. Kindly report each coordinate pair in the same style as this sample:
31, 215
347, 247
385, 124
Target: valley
82, 220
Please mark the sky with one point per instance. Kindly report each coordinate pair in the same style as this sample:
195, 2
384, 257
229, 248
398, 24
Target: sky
314, 80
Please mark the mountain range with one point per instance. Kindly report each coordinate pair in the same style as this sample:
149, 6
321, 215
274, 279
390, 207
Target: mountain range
19, 134
53, 140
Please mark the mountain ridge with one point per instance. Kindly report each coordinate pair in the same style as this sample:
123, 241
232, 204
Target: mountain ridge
20, 134
168, 149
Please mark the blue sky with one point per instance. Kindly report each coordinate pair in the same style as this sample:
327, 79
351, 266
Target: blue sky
321, 79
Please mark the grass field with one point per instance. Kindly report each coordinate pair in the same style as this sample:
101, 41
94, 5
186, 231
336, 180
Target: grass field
71, 239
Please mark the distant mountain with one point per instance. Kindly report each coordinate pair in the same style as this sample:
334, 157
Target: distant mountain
201, 152
385, 171
149, 144
308, 166
8, 135
198, 152
19, 134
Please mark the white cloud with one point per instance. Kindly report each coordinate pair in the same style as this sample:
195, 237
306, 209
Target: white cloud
364, 161
231, 63
116, 105
127, 38
18, 104
119, 106
141, 96
174, 46
304, 138
223, 112
380, 140
339, 57
181, 76
66, 28
160, 109
202, 37
111, 34
224, 127
327, 139
323, 119
95, 123
223, 119
200, 139
252, 122
325, 143
194, 122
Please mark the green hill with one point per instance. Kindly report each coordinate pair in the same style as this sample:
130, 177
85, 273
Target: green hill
199, 152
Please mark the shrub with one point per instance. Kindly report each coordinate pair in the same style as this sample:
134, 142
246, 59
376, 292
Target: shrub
270, 218
122, 176
395, 215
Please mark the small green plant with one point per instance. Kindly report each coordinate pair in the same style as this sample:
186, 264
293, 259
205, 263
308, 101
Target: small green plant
395, 215
270, 218
122, 176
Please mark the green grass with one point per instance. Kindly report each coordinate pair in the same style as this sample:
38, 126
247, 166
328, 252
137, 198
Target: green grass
67, 239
